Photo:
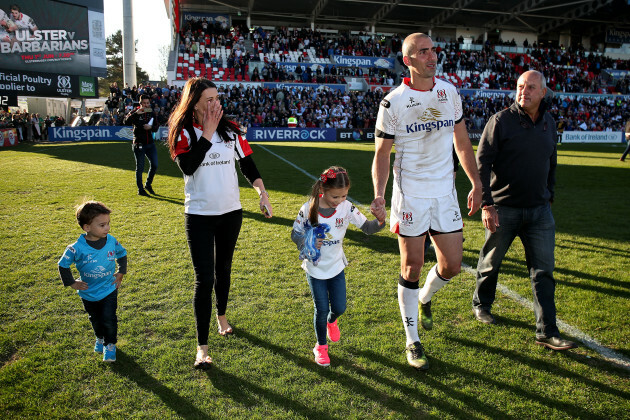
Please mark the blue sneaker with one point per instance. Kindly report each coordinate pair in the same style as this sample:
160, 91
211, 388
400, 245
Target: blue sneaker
98, 345
109, 355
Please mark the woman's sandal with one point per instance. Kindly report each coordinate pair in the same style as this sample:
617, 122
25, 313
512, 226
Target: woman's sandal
228, 331
203, 363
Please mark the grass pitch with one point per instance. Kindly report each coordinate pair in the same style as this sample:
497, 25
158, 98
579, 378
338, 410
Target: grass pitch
48, 370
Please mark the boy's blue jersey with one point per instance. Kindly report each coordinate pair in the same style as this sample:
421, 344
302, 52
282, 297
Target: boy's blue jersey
96, 266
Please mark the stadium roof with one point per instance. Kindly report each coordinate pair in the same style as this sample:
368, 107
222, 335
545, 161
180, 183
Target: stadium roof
543, 17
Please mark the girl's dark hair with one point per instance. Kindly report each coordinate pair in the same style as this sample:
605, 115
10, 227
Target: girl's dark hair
333, 177
182, 115
87, 211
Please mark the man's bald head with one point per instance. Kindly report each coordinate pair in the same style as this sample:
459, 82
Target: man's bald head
409, 44
533, 73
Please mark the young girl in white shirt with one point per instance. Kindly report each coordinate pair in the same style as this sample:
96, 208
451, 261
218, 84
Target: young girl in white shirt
328, 205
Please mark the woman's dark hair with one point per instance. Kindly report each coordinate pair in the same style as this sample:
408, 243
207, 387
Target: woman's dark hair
331, 178
182, 115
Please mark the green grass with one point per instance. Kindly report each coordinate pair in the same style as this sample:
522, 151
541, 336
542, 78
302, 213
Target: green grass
266, 369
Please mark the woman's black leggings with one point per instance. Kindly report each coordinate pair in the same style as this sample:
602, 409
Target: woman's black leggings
211, 240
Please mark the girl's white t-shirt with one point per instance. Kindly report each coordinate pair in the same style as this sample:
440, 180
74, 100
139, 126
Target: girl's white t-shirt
332, 259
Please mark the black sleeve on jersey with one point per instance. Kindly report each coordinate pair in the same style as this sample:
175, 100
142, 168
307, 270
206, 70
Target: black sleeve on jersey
122, 264
458, 121
189, 162
249, 169
383, 135
66, 276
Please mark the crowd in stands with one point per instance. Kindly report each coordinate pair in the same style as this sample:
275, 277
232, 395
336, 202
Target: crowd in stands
321, 74
121, 101
324, 108
283, 40
29, 126
571, 70
328, 108
585, 114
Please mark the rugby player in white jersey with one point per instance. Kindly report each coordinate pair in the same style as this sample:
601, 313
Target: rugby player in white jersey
22, 22
423, 118
6, 25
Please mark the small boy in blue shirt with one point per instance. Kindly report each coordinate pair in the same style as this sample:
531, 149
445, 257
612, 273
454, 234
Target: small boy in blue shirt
95, 255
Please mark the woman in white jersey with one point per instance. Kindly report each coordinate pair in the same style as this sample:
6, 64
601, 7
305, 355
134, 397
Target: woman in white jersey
328, 207
205, 145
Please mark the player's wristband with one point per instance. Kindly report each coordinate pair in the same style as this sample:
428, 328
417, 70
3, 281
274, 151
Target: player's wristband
263, 192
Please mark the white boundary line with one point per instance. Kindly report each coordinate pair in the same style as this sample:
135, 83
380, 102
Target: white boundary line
314, 178
608, 354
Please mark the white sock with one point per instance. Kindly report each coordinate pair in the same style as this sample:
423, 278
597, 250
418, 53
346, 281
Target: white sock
408, 302
432, 284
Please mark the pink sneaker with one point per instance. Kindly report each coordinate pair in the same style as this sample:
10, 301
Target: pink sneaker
333, 331
321, 355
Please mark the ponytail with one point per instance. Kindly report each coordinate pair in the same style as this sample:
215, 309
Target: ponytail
313, 212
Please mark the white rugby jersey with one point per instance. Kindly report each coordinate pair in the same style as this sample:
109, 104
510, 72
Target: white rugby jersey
332, 259
421, 123
24, 22
213, 188
4, 35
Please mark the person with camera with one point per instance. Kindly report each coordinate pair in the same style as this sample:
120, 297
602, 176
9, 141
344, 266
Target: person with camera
144, 125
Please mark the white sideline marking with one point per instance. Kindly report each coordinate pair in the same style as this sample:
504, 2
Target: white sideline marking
588, 341
314, 178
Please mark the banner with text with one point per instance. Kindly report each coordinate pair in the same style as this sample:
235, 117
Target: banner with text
290, 67
592, 137
355, 134
617, 36
363, 61
53, 37
291, 134
90, 133
23, 83
301, 86
207, 17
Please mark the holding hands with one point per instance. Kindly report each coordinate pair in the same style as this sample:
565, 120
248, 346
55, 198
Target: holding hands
378, 209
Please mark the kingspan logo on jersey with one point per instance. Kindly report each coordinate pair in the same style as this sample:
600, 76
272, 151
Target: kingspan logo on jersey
430, 121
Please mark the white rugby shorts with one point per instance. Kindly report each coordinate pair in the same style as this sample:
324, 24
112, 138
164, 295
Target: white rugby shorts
411, 216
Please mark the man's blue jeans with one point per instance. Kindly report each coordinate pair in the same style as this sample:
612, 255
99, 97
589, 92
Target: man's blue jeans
329, 299
536, 228
139, 152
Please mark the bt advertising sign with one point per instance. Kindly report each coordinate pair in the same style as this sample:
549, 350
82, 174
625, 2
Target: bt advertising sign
291, 134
